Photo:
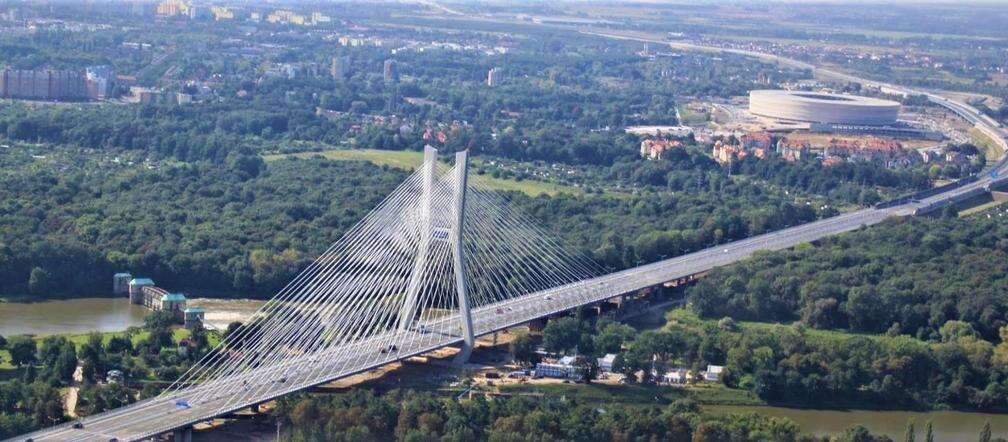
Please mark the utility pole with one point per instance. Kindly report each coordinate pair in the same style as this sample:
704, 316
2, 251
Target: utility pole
461, 286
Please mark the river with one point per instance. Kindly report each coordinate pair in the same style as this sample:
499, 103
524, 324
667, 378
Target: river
83, 315
948, 425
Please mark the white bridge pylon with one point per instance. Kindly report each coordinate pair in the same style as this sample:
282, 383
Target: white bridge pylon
407, 277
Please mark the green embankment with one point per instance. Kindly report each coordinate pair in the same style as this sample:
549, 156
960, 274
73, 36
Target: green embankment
992, 150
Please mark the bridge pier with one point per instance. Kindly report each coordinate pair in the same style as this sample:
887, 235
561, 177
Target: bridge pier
182, 434
618, 300
461, 285
537, 325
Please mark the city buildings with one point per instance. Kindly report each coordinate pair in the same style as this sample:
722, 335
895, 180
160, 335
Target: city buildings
192, 316
817, 107
222, 13
145, 95
43, 84
390, 70
494, 77
121, 283
286, 16
725, 153
337, 69
172, 8
605, 363
142, 291
653, 149
57, 85
793, 150
567, 367
99, 82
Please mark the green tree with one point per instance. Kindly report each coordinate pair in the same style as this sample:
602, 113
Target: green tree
955, 330
22, 350
66, 364
929, 431
611, 337
198, 336
93, 359
45, 404
563, 334
119, 344
159, 319
985, 433
909, 435
522, 349
40, 281
98, 398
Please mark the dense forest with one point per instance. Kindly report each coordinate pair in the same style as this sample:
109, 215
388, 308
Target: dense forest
242, 227
792, 364
907, 276
405, 415
246, 227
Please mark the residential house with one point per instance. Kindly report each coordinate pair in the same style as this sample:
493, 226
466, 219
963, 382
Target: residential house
653, 149
713, 373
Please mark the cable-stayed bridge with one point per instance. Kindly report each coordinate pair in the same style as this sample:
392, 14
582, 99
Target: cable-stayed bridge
441, 260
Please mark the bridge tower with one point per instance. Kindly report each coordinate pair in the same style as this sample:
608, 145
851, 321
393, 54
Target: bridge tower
408, 310
461, 285
429, 232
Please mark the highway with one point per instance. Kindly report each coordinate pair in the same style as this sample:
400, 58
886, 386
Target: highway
163, 414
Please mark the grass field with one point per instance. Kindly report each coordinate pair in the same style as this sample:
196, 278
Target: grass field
992, 150
410, 160
690, 118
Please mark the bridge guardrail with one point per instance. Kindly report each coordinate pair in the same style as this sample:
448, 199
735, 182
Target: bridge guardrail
926, 193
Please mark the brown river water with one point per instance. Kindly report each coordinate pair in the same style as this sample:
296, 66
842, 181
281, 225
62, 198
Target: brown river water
948, 425
82, 315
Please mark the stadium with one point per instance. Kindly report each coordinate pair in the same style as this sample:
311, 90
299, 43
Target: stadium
817, 107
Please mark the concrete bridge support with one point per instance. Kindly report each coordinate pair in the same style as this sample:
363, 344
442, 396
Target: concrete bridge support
182, 434
537, 325
461, 285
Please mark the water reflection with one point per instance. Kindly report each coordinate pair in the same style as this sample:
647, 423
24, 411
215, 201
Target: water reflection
83, 315
72, 316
